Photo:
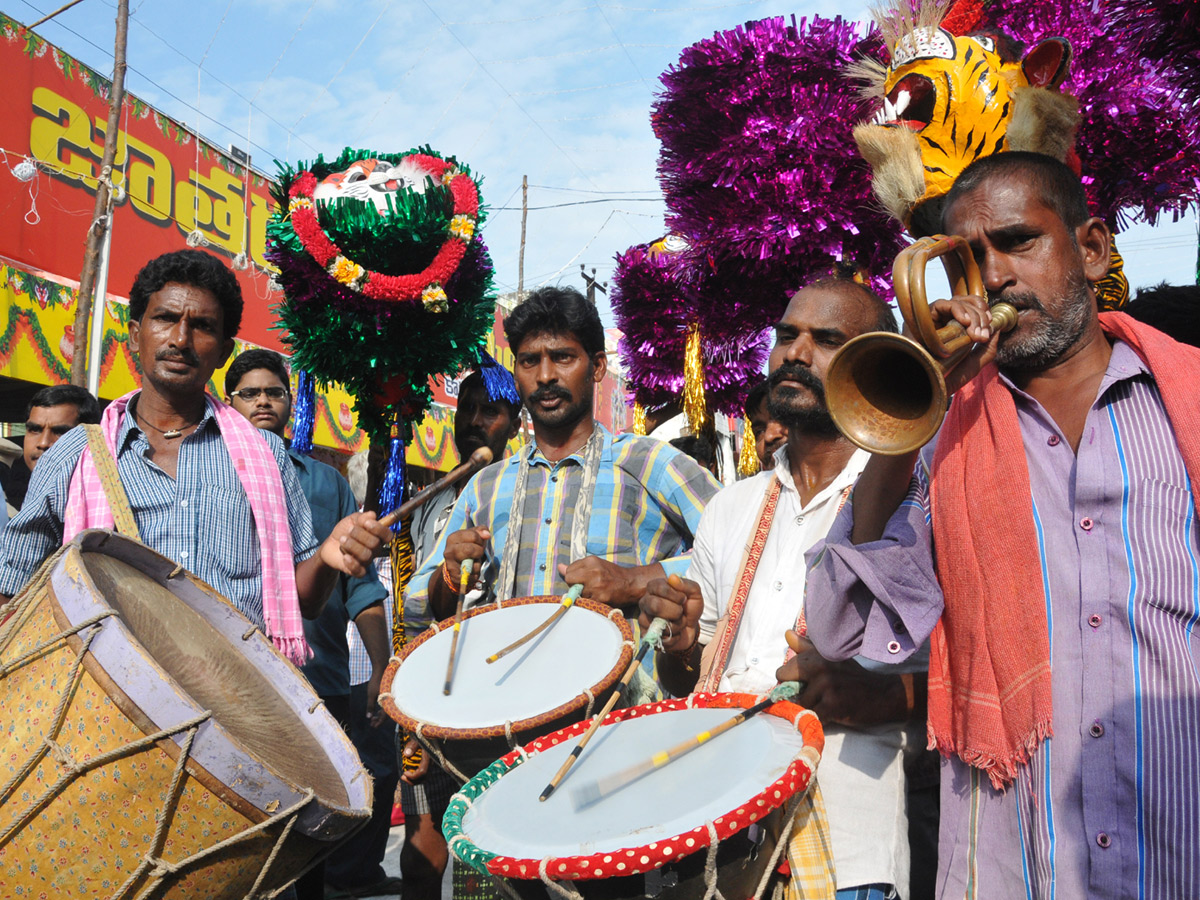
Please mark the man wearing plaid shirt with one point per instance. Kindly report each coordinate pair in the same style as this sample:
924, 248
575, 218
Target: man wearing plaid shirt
645, 499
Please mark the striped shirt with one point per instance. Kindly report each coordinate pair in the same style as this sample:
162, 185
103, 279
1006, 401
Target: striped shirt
200, 519
646, 507
1110, 805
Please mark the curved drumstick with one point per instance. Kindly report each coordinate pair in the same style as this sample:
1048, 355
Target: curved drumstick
568, 601
474, 462
590, 793
650, 638
464, 579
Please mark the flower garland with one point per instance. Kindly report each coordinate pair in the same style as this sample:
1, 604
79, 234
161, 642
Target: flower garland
427, 285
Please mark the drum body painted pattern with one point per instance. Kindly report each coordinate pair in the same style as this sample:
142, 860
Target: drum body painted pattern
557, 678
154, 743
655, 833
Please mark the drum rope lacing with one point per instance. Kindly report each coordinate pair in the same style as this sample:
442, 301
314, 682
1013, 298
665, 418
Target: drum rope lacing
435, 748
60, 710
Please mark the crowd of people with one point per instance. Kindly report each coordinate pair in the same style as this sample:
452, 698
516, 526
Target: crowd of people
997, 630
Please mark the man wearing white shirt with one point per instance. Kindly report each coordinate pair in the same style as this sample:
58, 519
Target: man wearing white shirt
754, 534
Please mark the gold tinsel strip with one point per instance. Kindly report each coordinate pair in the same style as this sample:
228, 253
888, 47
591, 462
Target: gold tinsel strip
639, 418
694, 405
402, 570
748, 458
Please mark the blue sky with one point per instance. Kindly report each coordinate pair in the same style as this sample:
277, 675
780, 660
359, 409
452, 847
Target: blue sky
560, 92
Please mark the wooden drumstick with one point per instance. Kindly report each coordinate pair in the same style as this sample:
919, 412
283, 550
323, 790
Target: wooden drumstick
650, 638
477, 460
464, 579
602, 787
568, 601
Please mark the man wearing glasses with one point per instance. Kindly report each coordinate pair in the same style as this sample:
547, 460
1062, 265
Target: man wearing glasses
257, 386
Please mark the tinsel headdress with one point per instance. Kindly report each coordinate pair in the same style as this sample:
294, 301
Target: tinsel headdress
675, 343
759, 166
1051, 76
386, 281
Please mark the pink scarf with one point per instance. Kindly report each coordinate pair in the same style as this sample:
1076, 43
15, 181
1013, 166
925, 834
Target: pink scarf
87, 507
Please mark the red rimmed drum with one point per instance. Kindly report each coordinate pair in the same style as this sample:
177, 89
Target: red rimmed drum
556, 678
722, 811
155, 743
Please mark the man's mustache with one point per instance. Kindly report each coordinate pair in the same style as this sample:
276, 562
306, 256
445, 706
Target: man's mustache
549, 392
1019, 299
183, 356
796, 372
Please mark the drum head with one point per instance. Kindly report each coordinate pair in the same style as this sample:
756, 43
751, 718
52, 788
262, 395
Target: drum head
732, 781
586, 649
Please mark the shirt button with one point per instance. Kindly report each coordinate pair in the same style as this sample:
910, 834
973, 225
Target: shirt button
542, 567
778, 585
1104, 840
1085, 523
799, 520
183, 554
554, 478
183, 503
1053, 440
1094, 621
1096, 730
547, 520
893, 646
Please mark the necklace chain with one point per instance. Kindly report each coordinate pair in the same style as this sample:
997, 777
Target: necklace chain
169, 433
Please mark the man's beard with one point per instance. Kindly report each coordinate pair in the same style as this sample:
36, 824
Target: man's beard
812, 418
565, 416
1040, 348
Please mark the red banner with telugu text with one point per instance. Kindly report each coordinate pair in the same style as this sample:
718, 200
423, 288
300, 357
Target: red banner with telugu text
54, 110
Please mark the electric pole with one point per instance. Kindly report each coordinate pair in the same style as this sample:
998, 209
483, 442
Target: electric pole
103, 208
592, 284
524, 216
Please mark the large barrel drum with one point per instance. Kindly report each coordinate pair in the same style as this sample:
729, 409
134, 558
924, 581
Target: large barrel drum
155, 744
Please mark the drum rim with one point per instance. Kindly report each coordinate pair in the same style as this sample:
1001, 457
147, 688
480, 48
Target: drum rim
642, 859
444, 732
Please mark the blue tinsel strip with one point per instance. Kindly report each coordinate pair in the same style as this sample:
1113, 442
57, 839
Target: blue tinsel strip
391, 490
497, 379
304, 413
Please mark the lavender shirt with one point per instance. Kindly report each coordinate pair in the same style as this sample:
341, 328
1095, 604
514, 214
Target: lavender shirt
1110, 806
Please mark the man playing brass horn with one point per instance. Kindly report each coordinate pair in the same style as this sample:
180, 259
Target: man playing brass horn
1047, 540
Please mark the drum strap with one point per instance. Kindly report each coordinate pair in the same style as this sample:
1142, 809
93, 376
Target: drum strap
713, 664
110, 480
592, 450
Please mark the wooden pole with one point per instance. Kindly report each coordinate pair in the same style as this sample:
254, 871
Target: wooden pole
95, 236
524, 216
61, 9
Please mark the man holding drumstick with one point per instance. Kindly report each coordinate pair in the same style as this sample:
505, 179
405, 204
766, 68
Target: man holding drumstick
727, 631
1047, 539
578, 505
207, 489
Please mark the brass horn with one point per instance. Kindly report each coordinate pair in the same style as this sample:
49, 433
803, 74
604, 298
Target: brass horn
887, 392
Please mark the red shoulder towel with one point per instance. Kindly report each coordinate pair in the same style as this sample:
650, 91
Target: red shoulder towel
989, 665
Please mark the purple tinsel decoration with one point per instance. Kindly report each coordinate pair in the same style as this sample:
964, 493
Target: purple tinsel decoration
1138, 138
1167, 31
759, 165
655, 299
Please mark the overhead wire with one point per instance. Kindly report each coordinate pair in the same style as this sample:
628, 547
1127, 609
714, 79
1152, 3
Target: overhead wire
342, 68
500, 85
185, 103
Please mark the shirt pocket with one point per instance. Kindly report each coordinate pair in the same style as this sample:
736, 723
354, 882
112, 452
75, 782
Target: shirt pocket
229, 533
